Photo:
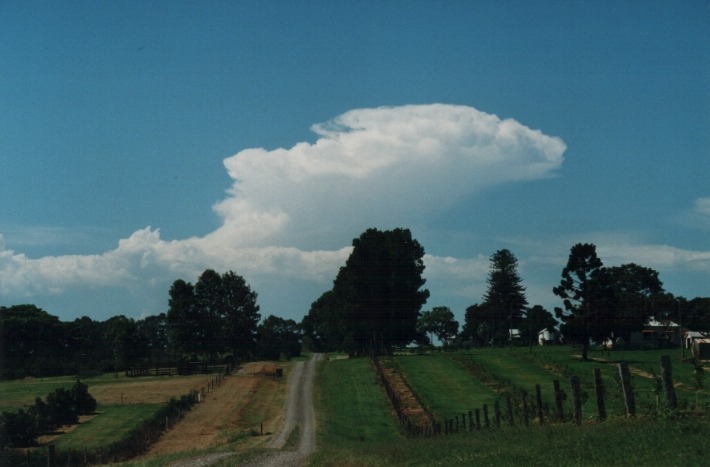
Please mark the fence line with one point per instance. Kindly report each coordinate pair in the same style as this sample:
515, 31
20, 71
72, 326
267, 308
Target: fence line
517, 406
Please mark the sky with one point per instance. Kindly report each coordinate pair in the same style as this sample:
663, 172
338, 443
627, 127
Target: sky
144, 142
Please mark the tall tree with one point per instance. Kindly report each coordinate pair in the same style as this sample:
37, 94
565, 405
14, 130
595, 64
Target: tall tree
379, 287
636, 290
241, 315
323, 325
477, 326
506, 294
439, 322
583, 290
211, 308
183, 325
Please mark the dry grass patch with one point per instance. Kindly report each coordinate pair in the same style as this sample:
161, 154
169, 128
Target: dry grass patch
233, 412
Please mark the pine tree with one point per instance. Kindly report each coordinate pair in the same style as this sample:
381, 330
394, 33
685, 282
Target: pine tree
505, 295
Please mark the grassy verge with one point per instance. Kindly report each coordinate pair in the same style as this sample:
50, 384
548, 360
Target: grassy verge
355, 425
443, 386
645, 442
112, 424
356, 428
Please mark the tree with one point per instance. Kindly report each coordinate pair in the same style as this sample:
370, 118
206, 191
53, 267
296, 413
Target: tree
583, 290
210, 308
505, 294
477, 326
537, 318
122, 334
218, 314
439, 322
241, 315
278, 336
323, 325
379, 289
30, 341
636, 289
183, 325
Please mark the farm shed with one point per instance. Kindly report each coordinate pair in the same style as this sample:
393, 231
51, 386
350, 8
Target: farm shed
691, 336
701, 349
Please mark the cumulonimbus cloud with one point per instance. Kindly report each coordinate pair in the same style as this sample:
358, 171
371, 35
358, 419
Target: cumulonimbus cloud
379, 167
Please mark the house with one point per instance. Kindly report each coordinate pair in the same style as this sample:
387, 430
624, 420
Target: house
549, 336
658, 333
514, 334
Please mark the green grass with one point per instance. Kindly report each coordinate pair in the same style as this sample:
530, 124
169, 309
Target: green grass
645, 442
354, 422
15, 394
443, 386
347, 396
568, 360
113, 424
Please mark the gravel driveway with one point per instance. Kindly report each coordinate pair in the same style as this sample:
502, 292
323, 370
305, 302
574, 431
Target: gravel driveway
299, 412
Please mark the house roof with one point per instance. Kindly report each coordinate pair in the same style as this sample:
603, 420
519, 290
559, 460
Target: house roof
660, 324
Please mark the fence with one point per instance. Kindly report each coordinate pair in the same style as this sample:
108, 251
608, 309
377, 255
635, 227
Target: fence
521, 408
180, 368
136, 443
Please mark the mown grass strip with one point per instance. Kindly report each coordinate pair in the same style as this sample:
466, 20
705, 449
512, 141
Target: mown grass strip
112, 424
443, 386
355, 423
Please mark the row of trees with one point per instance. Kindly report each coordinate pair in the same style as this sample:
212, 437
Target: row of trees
376, 301
216, 318
374, 305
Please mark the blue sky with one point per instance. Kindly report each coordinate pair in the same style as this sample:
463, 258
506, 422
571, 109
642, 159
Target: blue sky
141, 142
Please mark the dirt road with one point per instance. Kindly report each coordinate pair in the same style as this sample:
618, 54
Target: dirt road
299, 412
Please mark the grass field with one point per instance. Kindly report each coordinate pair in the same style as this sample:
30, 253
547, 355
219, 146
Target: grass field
443, 386
112, 424
354, 422
356, 426
355, 429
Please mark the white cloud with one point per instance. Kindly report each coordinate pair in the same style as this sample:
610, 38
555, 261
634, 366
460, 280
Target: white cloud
291, 213
375, 166
702, 206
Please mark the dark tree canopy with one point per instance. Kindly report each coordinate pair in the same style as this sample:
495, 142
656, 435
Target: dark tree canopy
218, 314
439, 322
583, 290
379, 290
323, 325
505, 295
279, 337
635, 291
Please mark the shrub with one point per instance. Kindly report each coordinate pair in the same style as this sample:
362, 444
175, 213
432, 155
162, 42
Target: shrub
84, 402
17, 429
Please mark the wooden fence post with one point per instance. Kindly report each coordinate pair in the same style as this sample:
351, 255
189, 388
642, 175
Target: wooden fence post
496, 410
538, 401
667, 375
478, 419
485, 416
51, 455
559, 399
625, 376
470, 420
599, 390
509, 407
577, 398
526, 415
